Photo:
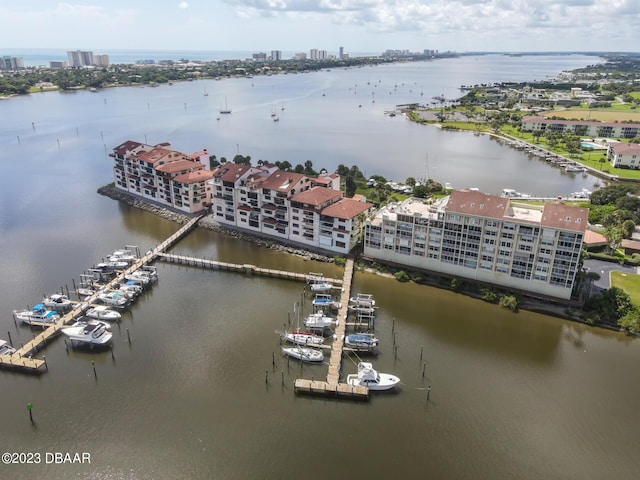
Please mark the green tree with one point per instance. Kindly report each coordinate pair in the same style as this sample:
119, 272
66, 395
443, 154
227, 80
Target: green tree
630, 322
308, 169
350, 186
410, 181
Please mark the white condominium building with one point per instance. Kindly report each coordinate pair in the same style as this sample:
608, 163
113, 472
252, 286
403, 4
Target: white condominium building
288, 206
164, 176
486, 238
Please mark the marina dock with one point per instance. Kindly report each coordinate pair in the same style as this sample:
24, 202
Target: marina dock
332, 386
22, 359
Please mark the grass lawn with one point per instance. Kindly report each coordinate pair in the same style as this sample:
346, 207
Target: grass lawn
630, 283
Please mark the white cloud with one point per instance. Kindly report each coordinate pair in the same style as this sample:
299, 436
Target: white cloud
183, 5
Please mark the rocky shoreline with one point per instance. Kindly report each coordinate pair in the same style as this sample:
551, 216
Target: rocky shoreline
208, 222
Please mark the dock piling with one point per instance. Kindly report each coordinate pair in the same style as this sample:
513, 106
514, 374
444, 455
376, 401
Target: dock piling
428, 392
421, 351
424, 366
266, 376
93, 365
30, 408
10, 340
128, 336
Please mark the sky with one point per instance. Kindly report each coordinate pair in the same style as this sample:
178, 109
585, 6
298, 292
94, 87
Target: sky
370, 26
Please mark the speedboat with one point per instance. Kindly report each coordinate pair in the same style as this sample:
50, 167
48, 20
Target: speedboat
57, 301
38, 314
6, 349
113, 264
304, 354
102, 312
141, 277
367, 376
91, 333
363, 299
321, 286
362, 309
303, 338
114, 298
85, 292
129, 289
122, 256
323, 300
319, 320
361, 341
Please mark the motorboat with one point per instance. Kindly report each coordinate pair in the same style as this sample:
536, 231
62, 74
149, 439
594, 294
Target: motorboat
365, 341
362, 309
38, 314
85, 320
6, 349
141, 277
113, 264
363, 299
113, 298
102, 312
367, 376
322, 300
319, 320
321, 286
129, 289
85, 292
303, 338
305, 354
122, 256
91, 333
57, 301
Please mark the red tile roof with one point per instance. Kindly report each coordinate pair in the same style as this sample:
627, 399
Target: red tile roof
194, 177
178, 166
472, 202
347, 208
282, 181
127, 147
230, 172
559, 215
316, 196
625, 148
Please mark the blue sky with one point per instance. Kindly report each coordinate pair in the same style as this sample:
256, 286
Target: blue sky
299, 25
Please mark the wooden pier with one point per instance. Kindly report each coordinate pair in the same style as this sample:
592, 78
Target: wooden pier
245, 268
23, 359
332, 386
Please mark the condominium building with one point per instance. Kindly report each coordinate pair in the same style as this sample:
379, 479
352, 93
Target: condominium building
164, 176
79, 58
11, 63
625, 155
582, 128
276, 55
485, 238
288, 206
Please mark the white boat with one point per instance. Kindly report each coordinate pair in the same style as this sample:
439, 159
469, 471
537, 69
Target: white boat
91, 333
113, 264
113, 298
321, 286
323, 300
319, 320
57, 301
226, 110
304, 354
574, 168
362, 309
102, 312
303, 338
6, 349
363, 299
367, 376
122, 256
365, 341
38, 314
130, 289
85, 292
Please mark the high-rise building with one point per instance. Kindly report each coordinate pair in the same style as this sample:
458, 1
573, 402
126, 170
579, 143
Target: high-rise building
259, 57
276, 55
11, 63
341, 54
485, 238
101, 60
80, 59
322, 55
313, 54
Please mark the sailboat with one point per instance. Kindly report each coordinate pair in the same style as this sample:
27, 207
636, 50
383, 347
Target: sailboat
226, 109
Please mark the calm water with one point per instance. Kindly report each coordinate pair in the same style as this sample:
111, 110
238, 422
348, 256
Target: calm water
513, 396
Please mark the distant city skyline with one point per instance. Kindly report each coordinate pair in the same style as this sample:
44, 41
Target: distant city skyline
302, 25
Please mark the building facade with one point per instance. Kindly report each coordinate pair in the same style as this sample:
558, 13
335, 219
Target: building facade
485, 238
582, 128
625, 155
164, 176
288, 206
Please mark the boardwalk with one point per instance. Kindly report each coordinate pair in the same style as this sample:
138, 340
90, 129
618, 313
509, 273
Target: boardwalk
23, 359
333, 387
241, 268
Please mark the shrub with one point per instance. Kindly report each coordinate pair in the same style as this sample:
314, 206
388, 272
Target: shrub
489, 295
402, 276
510, 302
340, 261
456, 284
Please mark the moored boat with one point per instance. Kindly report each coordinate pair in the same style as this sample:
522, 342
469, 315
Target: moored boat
57, 301
366, 341
363, 299
319, 320
303, 338
38, 314
367, 376
113, 298
304, 354
92, 333
323, 300
321, 286
102, 312
6, 349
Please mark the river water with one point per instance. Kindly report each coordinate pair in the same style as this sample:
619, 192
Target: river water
512, 395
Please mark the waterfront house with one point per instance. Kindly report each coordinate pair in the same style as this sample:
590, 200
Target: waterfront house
485, 238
